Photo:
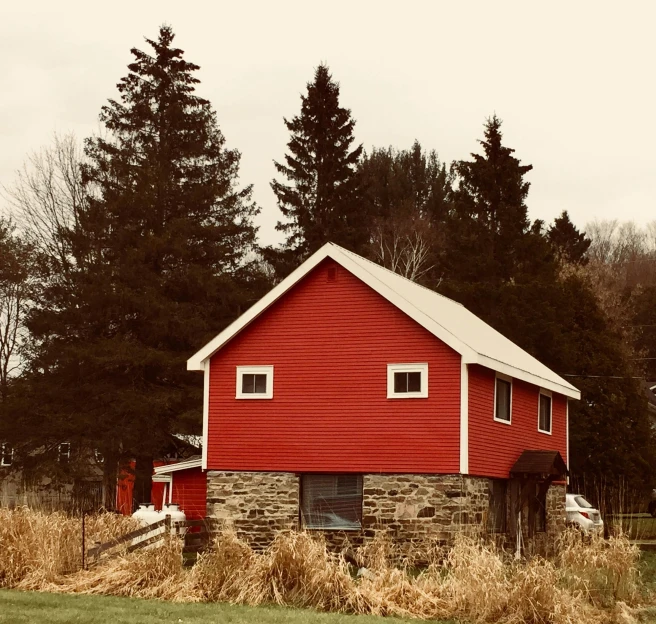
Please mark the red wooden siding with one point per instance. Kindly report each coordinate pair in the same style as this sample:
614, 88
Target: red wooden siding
494, 446
330, 341
190, 492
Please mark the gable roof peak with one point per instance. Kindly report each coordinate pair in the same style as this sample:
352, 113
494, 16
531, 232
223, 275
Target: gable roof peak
449, 321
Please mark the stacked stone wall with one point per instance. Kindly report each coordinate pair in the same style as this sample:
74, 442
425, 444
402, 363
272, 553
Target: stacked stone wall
409, 508
257, 504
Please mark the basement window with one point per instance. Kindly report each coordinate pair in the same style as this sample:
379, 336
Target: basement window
254, 382
544, 412
6, 454
331, 501
503, 399
407, 381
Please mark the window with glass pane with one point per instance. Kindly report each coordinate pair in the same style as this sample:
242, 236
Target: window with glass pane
407, 382
253, 383
545, 413
6, 454
503, 400
331, 501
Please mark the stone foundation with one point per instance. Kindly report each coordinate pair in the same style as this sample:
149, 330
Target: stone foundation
257, 504
420, 506
410, 508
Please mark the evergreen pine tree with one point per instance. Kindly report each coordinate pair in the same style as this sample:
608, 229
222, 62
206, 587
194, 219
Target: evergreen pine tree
320, 198
569, 244
161, 251
493, 237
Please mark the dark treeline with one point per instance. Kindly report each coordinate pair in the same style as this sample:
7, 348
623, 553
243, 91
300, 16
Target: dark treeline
134, 251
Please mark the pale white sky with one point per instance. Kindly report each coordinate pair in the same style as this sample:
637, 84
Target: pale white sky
573, 82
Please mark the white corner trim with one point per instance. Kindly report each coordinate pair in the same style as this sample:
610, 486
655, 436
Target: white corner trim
421, 368
254, 370
494, 408
464, 418
206, 411
546, 393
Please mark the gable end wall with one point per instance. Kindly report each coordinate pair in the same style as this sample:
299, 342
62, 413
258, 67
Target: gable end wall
330, 341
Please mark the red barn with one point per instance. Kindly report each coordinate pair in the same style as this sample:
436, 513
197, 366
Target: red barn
183, 483
350, 398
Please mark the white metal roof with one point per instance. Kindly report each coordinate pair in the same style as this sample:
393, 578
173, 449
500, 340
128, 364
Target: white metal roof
451, 322
196, 462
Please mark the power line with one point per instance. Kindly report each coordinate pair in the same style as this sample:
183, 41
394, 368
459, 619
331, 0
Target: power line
603, 376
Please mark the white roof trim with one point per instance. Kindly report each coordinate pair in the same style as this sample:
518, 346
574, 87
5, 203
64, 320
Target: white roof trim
183, 465
450, 322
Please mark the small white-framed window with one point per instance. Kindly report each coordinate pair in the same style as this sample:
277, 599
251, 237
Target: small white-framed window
6, 454
545, 411
407, 381
503, 399
64, 452
254, 382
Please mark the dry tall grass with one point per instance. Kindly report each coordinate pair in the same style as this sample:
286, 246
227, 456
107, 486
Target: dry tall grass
590, 581
37, 548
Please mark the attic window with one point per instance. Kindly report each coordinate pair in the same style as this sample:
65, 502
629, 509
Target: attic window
254, 382
407, 381
544, 412
503, 399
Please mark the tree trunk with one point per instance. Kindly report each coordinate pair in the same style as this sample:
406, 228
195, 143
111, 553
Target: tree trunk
110, 478
143, 480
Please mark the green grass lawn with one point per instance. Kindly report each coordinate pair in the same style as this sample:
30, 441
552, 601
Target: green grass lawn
41, 608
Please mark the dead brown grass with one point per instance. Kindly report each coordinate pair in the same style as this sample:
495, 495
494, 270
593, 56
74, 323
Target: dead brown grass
38, 547
590, 581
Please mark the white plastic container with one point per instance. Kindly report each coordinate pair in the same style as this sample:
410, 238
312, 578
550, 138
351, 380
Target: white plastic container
177, 515
146, 514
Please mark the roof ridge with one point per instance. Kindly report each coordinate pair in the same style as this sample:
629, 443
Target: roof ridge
380, 266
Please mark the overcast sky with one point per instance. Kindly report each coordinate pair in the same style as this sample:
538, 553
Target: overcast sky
572, 81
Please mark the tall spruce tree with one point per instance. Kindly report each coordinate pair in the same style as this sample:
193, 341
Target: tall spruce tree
494, 238
504, 268
161, 253
569, 244
320, 198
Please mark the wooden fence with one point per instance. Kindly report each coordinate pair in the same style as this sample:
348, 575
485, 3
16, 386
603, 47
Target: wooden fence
197, 536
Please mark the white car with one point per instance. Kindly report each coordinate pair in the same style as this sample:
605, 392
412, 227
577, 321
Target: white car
582, 514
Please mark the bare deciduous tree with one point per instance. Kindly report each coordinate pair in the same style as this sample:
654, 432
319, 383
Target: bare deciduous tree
16, 258
47, 197
403, 247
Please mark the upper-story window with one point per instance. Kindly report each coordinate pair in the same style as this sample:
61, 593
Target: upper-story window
6, 454
407, 381
503, 399
254, 382
544, 412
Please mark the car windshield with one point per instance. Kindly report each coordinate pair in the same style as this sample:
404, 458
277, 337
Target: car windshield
581, 502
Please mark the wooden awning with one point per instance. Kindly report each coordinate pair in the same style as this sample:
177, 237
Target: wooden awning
540, 464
